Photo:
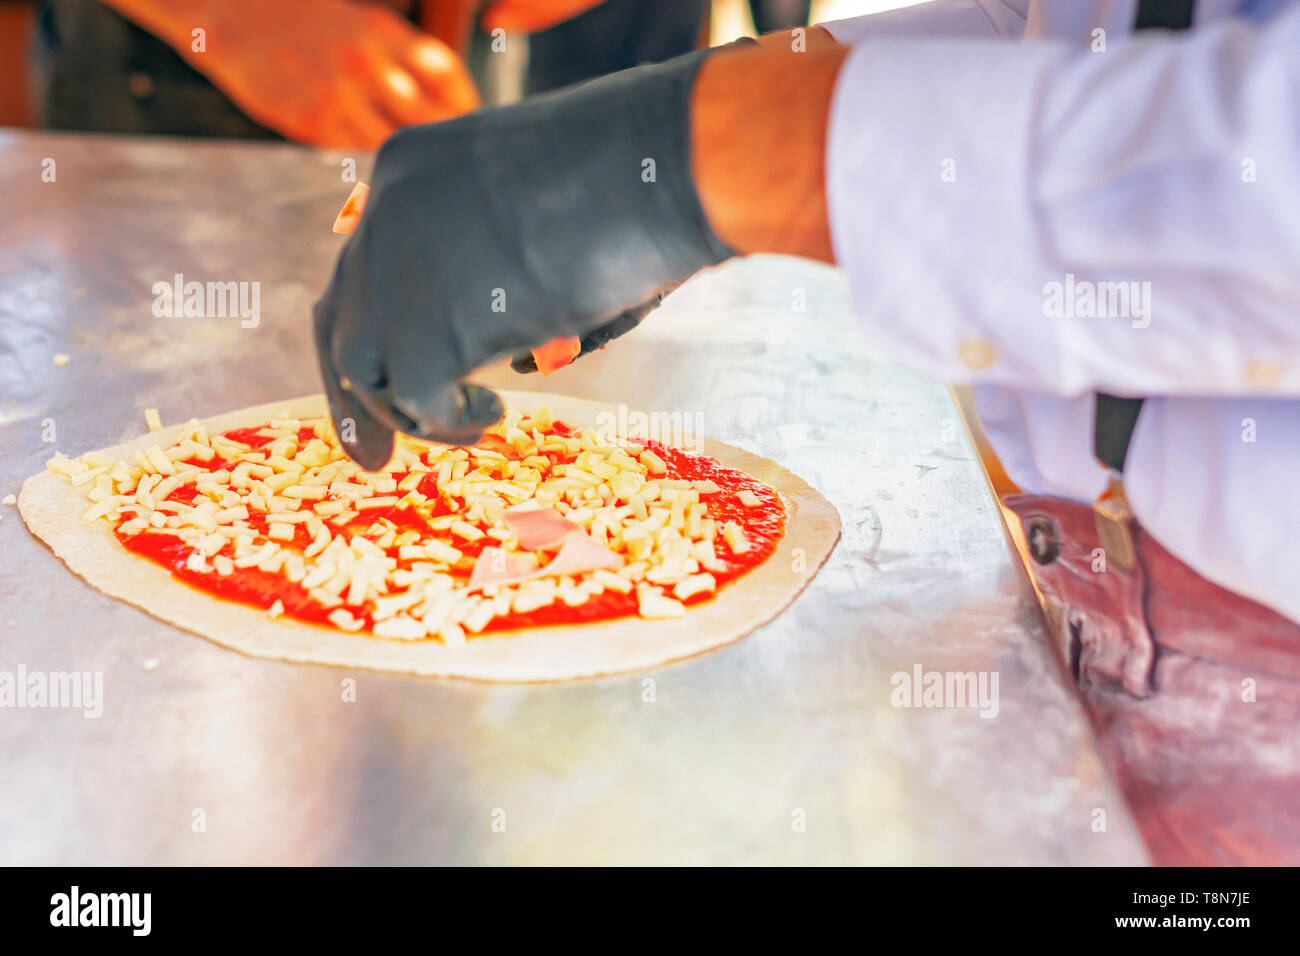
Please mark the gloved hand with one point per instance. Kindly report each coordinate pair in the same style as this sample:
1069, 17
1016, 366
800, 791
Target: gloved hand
493, 233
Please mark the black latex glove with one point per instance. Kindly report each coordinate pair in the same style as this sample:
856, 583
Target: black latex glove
493, 233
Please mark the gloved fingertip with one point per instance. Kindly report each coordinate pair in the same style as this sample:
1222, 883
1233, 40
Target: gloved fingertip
458, 415
364, 440
373, 453
524, 364
362, 437
483, 407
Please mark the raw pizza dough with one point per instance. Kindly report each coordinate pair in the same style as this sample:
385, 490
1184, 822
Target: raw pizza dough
52, 509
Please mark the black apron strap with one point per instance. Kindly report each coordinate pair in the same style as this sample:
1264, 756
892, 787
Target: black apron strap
1112, 429
1116, 417
1163, 15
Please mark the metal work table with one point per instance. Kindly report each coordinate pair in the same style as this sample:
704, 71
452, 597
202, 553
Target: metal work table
733, 746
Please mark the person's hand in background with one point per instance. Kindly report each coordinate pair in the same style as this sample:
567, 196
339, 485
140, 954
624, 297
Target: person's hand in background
330, 73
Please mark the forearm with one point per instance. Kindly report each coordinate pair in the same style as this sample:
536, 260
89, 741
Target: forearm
760, 167
758, 144
173, 21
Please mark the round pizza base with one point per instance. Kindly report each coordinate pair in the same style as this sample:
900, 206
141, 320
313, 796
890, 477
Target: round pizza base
52, 509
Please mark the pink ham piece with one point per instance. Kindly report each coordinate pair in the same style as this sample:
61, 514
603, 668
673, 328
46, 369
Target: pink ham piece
496, 566
539, 527
577, 555
580, 554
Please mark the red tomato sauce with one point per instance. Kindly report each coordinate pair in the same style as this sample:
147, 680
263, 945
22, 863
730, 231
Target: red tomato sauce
763, 524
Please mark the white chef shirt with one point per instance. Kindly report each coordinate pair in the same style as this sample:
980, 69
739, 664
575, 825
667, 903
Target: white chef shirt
989, 163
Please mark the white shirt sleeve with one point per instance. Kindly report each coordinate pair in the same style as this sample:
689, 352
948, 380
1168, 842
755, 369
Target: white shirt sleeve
1044, 441
1047, 217
1214, 481
1003, 19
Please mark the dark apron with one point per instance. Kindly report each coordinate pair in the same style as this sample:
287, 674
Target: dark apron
1193, 690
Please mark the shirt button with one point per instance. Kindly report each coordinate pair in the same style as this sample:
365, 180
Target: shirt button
976, 354
1263, 373
140, 84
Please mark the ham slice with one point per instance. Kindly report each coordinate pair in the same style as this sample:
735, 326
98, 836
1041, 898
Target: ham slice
580, 554
555, 354
539, 527
497, 566
577, 555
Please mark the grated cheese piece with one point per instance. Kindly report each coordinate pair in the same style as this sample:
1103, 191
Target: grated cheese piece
654, 464
295, 568
326, 598
612, 581
652, 604
319, 575
101, 508
305, 492
734, 535
319, 543
480, 617
703, 583
98, 460
342, 619
63, 465
383, 501
463, 529
159, 462
289, 517
258, 556
402, 628
453, 635
279, 482
360, 583
534, 595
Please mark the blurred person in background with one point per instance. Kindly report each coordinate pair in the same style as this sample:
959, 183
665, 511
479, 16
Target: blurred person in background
327, 73
330, 73
619, 34
772, 15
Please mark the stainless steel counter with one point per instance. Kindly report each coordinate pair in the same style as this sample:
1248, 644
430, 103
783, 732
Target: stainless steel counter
719, 759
